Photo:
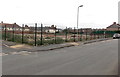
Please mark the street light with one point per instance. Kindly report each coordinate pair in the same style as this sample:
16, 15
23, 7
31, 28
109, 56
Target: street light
78, 17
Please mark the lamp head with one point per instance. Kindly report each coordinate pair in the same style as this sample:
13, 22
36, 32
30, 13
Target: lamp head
81, 6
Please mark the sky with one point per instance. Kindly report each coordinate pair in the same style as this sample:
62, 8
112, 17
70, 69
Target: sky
62, 13
119, 12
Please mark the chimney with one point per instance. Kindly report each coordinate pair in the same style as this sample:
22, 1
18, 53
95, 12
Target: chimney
52, 26
26, 25
15, 23
2, 22
114, 22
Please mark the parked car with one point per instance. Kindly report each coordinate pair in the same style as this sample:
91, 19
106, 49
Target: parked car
116, 36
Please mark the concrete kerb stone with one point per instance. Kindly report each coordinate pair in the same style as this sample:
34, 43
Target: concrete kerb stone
98, 40
58, 46
48, 49
74, 44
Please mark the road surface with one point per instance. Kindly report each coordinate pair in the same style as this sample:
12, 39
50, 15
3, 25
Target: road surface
100, 58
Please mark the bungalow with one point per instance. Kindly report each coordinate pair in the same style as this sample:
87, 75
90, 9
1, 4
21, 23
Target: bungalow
51, 29
17, 29
84, 30
26, 28
10, 27
45, 29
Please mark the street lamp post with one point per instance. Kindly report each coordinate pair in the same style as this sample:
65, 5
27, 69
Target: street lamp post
78, 18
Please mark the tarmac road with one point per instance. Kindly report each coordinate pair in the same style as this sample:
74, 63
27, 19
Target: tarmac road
99, 58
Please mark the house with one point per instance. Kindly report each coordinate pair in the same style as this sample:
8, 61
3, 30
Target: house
59, 30
14, 27
10, 27
45, 29
113, 27
84, 30
51, 29
87, 30
26, 28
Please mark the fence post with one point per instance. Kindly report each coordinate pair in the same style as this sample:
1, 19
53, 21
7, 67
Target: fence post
86, 34
22, 33
81, 35
35, 34
55, 34
105, 34
66, 35
78, 35
91, 34
41, 39
5, 32
74, 34
102, 34
13, 34
98, 33
95, 34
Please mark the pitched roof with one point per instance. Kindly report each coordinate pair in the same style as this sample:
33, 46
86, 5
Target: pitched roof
39, 28
114, 25
10, 25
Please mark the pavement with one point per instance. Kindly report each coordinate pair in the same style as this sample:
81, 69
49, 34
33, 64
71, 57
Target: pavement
12, 47
98, 58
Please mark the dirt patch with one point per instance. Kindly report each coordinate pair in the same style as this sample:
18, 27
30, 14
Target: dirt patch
3, 54
20, 53
20, 46
74, 43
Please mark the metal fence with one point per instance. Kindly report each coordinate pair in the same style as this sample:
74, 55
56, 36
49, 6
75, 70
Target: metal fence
40, 34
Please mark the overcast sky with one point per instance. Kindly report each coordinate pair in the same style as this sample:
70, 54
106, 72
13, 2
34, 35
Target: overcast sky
94, 13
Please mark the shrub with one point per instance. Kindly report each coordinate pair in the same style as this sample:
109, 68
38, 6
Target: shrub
52, 41
59, 40
47, 37
17, 38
